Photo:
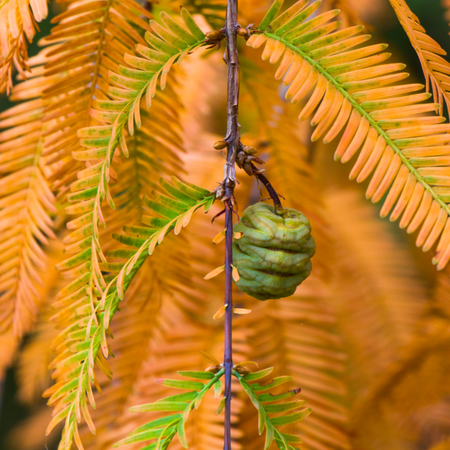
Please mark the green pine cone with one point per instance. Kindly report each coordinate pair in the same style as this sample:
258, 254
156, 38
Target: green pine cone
273, 256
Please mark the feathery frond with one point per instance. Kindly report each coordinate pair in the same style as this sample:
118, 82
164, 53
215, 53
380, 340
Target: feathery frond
405, 150
32, 359
160, 294
32, 372
100, 143
379, 295
168, 45
92, 39
288, 326
172, 210
297, 337
17, 22
26, 204
164, 429
85, 320
394, 398
264, 403
177, 343
435, 68
139, 323
152, 149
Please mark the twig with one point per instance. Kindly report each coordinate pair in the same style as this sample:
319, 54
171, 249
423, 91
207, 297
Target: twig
273, 194
232, 140
228, 348
232, 59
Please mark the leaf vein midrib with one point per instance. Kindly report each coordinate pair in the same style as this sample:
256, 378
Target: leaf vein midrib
98, 58
364, 114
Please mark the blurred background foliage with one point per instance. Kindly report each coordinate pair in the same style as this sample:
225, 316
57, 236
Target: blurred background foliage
387, 307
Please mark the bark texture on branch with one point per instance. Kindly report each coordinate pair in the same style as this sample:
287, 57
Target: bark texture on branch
233, 141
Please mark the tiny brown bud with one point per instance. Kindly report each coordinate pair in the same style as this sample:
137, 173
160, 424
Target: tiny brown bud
242, 32
242, 370
213, 369
219, 145
250, 150
214, 35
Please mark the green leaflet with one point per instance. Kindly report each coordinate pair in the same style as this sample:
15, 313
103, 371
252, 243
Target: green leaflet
271, 14
290, 438
182, 384
177, 30
89, 337
196, 375
291, 418
168, 45
181, 431
288, 15
271, 398
217, 389
276, 382
258, 375
298, 19
283, 407
264, 411
142, 232
159, 406
270, 434
187, 397
164, 429
146, 435
154, 222
158, 423
221, 406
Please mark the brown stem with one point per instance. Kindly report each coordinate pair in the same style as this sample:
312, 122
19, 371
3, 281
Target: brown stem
228, 350
233, 140
232, 60
273, 194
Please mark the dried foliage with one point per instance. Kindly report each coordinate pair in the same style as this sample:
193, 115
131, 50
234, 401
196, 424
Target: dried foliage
413, 412
112, 138
17, 23
380, 303
26, 205
435, 68
93, 37
351, 92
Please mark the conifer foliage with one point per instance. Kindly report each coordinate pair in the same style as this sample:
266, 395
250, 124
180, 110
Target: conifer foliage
100, 173
382, 123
